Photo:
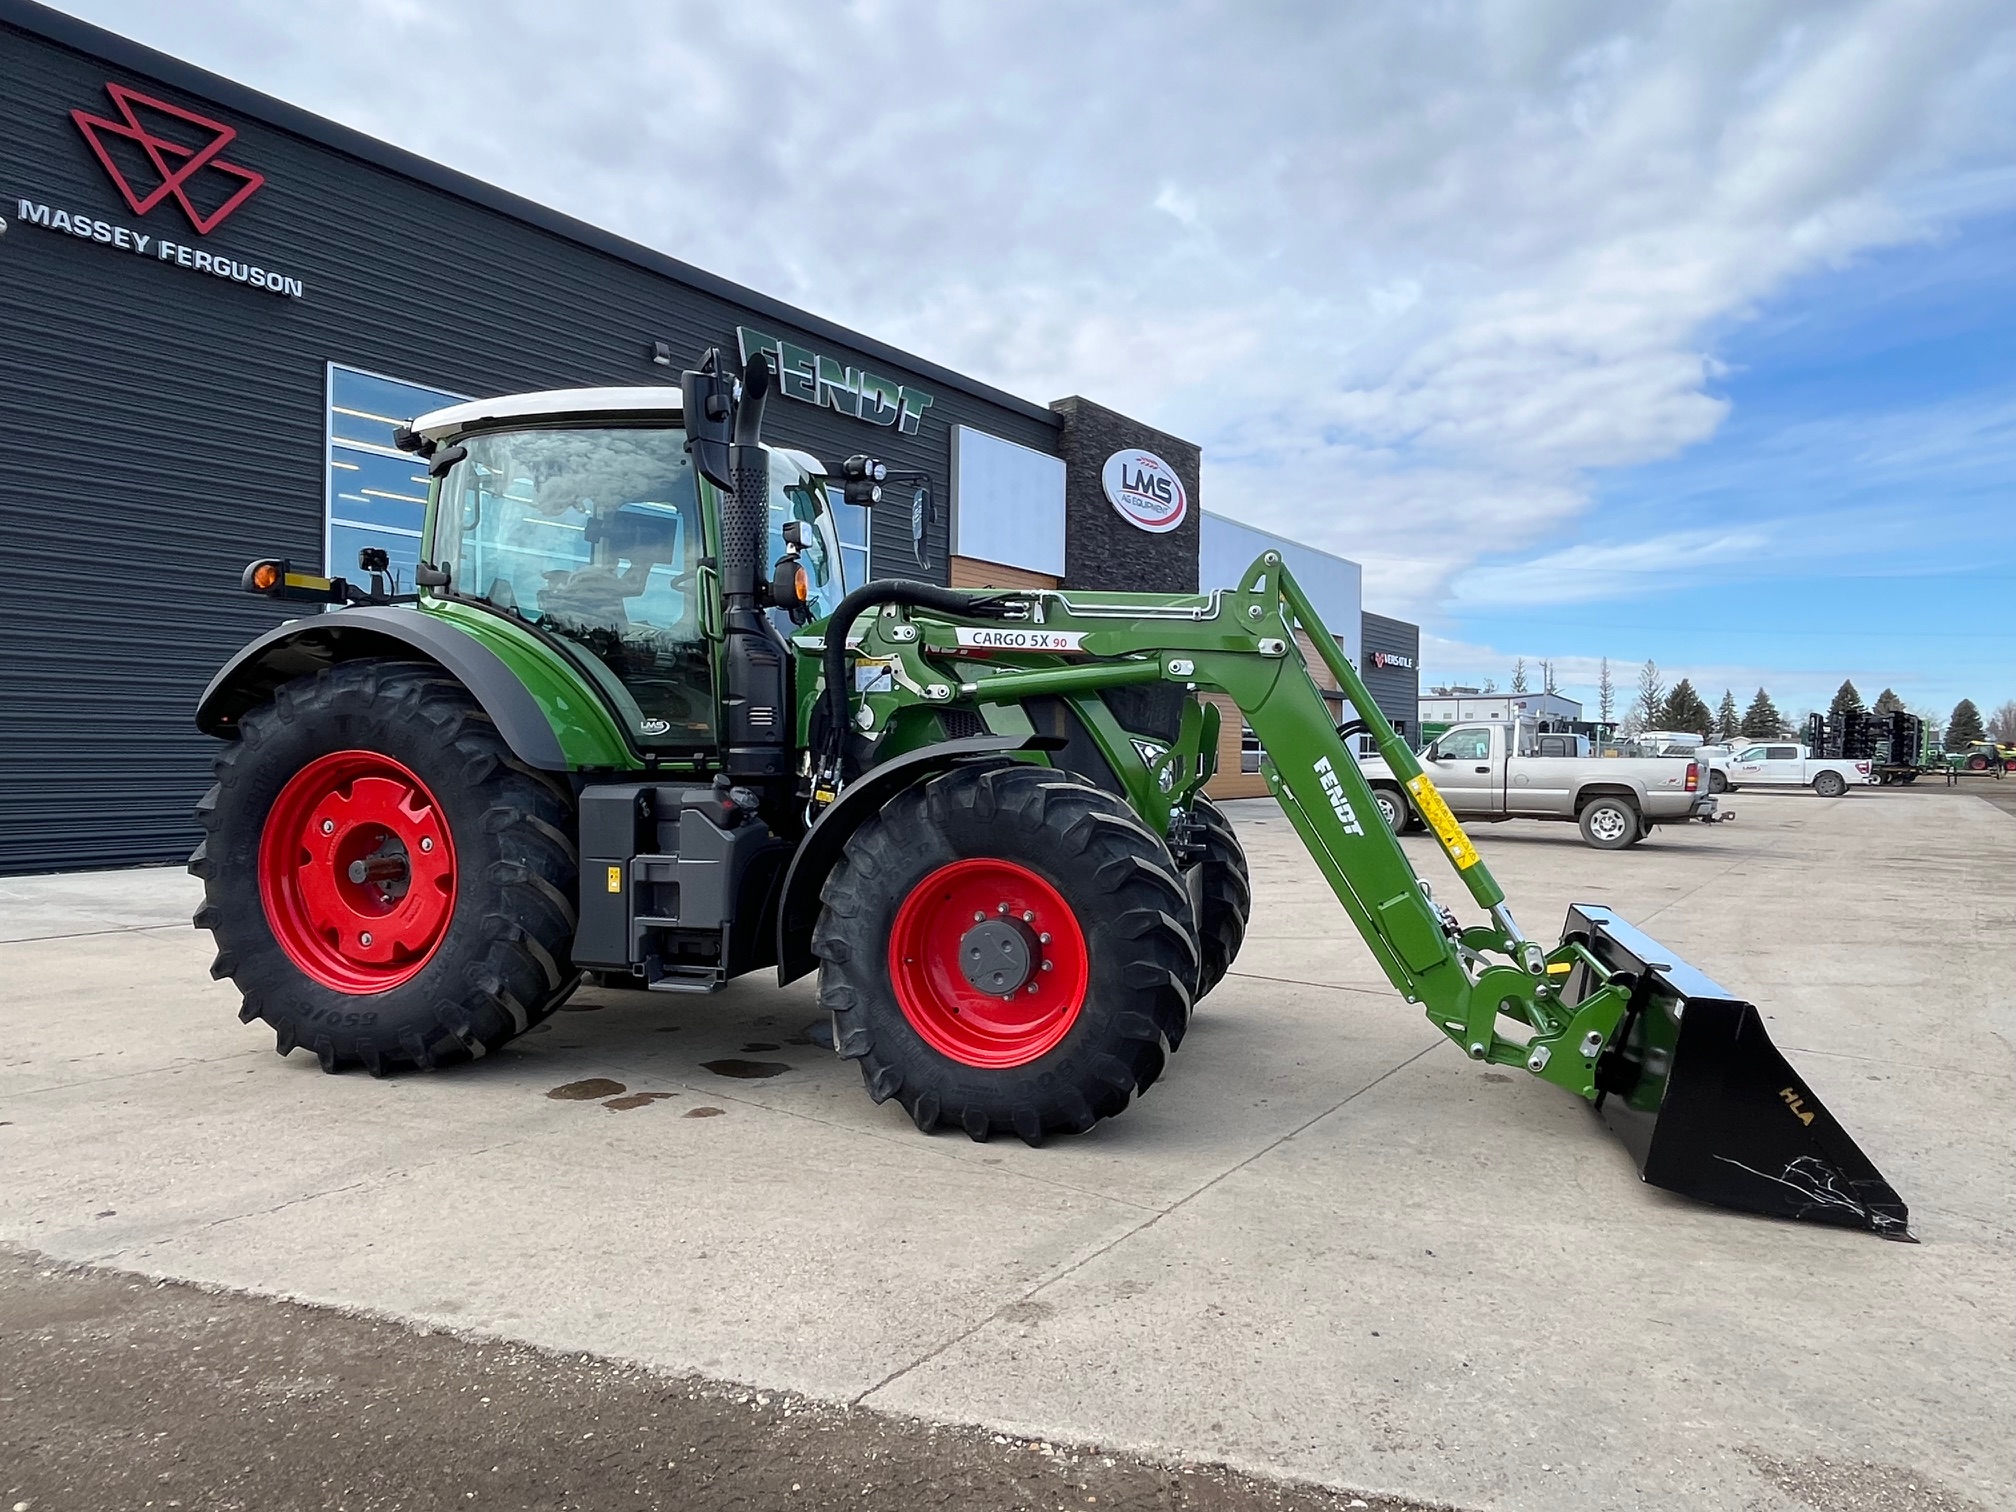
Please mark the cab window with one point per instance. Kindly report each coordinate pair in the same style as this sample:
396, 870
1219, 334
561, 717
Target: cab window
1465, 745
1782, 753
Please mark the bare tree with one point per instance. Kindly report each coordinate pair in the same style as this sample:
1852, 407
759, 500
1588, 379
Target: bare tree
2002, 723
1490, 685
1606, 694
1548, 682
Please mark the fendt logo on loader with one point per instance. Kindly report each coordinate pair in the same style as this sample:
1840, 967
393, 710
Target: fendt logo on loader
1334, 791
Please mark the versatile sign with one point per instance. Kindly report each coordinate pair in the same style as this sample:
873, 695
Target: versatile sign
175, 161
1017, 638
1145, 491
1392, 659
810, 378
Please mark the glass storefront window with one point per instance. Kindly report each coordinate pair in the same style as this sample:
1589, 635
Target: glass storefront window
377, 494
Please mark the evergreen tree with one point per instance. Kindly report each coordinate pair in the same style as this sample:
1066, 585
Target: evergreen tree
1684, 710
1847, 702
1762, 721
1606, 694
1887, 702
1519, 675
1728, 723
1964, 728
1651, 700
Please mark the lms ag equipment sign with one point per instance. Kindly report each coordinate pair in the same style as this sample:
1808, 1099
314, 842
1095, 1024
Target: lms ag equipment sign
1145, 491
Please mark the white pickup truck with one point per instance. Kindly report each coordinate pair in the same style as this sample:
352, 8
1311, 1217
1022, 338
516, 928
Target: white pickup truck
1782, 764
1490, 771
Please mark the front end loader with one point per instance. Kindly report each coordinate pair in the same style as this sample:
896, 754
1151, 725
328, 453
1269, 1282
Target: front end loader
633, 727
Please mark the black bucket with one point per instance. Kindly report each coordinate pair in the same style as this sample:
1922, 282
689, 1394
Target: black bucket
1708, 1107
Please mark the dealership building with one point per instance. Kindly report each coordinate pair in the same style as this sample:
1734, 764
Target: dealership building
215, 308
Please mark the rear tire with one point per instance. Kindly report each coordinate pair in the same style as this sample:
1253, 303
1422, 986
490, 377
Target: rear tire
908, 901
1392, 808
1610, 823
1830, 785
1228, 894
463, 949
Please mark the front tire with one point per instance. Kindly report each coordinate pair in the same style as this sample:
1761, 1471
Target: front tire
1830, 785
1610, 823
947, 908
386, 883
1717, 783
1227, 890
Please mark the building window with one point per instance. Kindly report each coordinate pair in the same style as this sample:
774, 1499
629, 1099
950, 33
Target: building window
377, 494
852, 522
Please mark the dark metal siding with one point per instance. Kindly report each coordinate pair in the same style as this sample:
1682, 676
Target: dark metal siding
1396, 690
159, 427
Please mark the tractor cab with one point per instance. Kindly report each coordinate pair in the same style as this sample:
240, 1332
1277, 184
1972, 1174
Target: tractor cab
579, 514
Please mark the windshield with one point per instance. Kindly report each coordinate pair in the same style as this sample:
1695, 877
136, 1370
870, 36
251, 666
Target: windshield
593, 534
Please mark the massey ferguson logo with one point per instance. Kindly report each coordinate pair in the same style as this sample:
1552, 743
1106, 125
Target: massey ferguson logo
173, 153
1334, 791
1145, 490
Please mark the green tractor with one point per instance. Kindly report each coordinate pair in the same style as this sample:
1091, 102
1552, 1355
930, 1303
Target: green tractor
633, 727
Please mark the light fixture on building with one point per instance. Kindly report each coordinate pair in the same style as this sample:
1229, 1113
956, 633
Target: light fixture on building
661, 353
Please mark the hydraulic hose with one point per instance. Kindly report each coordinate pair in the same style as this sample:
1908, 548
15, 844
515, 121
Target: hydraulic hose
873, 596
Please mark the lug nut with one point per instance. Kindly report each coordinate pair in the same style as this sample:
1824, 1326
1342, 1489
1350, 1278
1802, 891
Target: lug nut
1042, 939
364, 939
1004, 908
1046, 967
426, 843
1028, 918
328, 826
977, 917
1032, 986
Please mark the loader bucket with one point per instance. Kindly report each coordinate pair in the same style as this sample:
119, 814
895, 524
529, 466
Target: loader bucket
1696, 1090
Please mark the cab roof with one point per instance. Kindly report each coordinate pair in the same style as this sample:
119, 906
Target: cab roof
662, 404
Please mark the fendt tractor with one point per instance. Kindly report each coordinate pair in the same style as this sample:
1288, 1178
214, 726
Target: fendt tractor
632, 727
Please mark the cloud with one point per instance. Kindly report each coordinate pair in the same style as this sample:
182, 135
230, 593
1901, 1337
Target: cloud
1409, 273
1583, 573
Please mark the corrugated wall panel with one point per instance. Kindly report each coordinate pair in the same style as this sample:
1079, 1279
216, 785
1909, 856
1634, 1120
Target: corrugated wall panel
160, 427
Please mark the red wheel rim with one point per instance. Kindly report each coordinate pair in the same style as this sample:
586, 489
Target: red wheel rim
348, 812
955, 1017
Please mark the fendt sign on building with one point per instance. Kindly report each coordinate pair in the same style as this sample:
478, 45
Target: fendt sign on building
155, 153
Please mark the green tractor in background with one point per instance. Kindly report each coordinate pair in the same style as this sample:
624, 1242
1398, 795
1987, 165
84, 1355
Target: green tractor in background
634, 727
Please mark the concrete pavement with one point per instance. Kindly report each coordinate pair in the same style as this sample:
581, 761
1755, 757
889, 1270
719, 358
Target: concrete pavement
1325, 1246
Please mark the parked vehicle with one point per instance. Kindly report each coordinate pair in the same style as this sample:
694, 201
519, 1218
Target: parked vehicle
1987, 755
601, 739
1492, 770
1788, 765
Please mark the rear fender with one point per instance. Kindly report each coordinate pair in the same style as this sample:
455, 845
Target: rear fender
304, 647
864, 797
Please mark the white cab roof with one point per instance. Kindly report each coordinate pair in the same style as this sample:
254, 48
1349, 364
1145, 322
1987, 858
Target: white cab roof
551, 404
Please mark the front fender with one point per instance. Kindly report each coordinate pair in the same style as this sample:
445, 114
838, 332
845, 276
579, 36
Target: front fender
303, 647
864, 797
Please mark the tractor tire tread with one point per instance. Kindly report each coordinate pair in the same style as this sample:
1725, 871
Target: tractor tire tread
1093, 845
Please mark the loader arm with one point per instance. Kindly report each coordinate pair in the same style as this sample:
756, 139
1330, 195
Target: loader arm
1241, 643
1681, 1069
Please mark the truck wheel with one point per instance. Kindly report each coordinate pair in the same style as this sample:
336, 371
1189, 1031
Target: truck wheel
1610, 823
1392, 808
1717, 782
1830, 785
1006, 949
386, 884
1977, 763
1228, 895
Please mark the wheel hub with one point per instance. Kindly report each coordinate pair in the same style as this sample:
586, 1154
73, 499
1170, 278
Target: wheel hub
357, 871
999, 955
988, 962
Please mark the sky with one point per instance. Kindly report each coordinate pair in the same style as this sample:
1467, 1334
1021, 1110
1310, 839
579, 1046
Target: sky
1592, 328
